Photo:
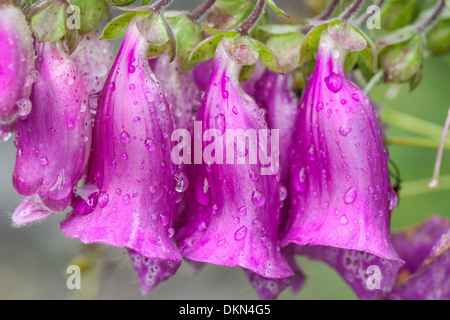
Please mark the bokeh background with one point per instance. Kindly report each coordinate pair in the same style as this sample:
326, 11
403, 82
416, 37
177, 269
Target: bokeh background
33, 260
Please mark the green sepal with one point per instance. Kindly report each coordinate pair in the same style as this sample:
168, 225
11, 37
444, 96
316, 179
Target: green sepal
188, 34
438, 38
287, 48
50, 23
117, 27
205, 50
275, 8
92, 13
121, 3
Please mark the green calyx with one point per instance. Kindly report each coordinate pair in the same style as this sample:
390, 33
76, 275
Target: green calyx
91, 13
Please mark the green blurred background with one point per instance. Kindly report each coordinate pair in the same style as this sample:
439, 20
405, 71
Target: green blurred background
33, 260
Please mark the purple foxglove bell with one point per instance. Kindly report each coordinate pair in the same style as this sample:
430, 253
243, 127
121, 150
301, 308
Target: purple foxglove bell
54, 140
233, 217
341, 194
130, 186
17, 72
180, 87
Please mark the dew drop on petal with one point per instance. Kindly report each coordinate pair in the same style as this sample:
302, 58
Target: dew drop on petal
350, 195
182, 182
334, 82
258, 199
240, 233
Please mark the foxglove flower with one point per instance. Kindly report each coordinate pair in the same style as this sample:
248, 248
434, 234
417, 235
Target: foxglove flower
130, 174
341, 194
54, 140
17, 72
234, 219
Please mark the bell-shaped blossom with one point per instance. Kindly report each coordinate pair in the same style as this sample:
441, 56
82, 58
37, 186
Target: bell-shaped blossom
17, 72
233, 216
340, 189
130, 185
54, 141
180, 87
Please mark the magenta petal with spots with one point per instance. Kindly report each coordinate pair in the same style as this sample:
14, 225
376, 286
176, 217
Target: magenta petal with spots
94, 58
426, 274
369, 276
54, 141
17, 72
341, 194
131, 176
236, 216
152, 272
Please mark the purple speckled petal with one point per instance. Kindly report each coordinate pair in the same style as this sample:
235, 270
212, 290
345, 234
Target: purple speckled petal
251, 85
30, 210
414, 244
202, 73
235, 219
130, 166
54, 140
17, 72
369, 276
426, 274
341, 194
180, 87
270, 289
152, 272
94, 58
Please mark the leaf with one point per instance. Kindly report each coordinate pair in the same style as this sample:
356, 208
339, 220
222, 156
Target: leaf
123, 2
50, 23
118, 26
91, 14
266, 56
215, 32
152, 28
246, 72
205, 50
241, 50
369, 55
275, 8
72, 38
310, 44
398, 36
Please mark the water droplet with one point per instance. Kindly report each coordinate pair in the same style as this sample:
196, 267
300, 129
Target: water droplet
283, 193
136, 119
240, 233
343, 219
162, 107
343, 102
258, 199
132, 86
300, 182
355, 97
319, 106
202, 193
126, 199
344, 130
152, 189
253, 175
182, 182
131, 69
24, 106
350, 195
125, 156
112, 86
124, 137
171, 232
150, 144
334, 82
220, 123
43, 161
220, 242
257, 223
236, 220
225, 94
243, 211
235, 110
149, 97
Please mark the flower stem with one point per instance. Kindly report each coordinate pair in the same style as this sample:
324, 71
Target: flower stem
201, 10
423, 26
411, 124
373, 81
351, 10
435, 180
416, 142
160, 5
247, 25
